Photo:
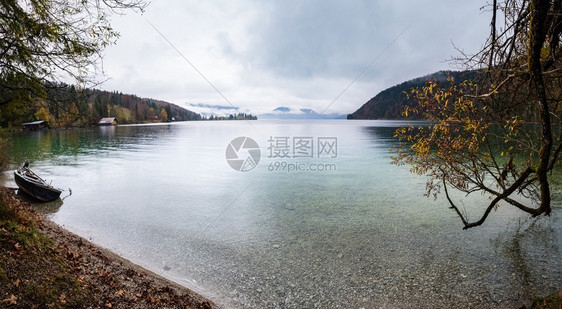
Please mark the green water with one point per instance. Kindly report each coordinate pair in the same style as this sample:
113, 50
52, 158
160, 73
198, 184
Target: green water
358, 233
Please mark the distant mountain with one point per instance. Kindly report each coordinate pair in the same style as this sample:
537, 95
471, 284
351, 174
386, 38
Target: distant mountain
133, 109
283, 112
389, 103
282, 109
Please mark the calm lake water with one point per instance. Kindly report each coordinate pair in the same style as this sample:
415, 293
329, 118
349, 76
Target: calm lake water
345, 230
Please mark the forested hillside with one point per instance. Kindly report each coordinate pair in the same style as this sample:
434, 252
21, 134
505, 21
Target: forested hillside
67, 106
389, 103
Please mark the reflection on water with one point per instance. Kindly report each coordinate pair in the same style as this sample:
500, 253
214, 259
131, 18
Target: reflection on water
361, 235
62, 146
532, 242
46, 208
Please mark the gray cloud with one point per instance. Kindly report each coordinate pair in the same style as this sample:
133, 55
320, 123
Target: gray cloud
219, 107
329, 38
263, 54
303, 39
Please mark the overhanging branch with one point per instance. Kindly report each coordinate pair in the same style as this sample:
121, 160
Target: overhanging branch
503, 196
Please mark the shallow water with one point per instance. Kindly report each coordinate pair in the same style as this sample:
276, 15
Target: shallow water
359, 233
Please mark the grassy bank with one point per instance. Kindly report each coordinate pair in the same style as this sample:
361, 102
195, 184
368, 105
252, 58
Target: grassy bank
33, 272
44, 266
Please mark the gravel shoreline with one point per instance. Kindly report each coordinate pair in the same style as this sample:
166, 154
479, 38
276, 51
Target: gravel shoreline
114, 281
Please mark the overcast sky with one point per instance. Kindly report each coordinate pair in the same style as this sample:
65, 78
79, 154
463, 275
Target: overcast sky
302, 54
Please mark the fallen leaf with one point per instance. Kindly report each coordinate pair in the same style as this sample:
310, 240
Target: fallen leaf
108, 305
17, 283
13, 300
121, 292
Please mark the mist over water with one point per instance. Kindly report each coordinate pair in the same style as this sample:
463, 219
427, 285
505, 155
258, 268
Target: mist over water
309, 226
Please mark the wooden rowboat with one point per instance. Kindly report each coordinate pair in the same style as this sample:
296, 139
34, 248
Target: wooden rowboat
34, 185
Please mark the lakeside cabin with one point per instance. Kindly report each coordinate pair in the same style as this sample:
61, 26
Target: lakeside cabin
110, 121
35, 125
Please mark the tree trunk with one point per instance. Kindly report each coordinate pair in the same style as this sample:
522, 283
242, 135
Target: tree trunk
539, 11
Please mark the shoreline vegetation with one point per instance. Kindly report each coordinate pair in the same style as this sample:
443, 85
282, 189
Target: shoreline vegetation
69, 106
44, 266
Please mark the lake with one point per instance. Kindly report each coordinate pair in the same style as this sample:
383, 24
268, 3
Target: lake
295, 214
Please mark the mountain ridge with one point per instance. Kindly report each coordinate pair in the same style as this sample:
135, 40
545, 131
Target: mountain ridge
285, 112
389, 103
66, 105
